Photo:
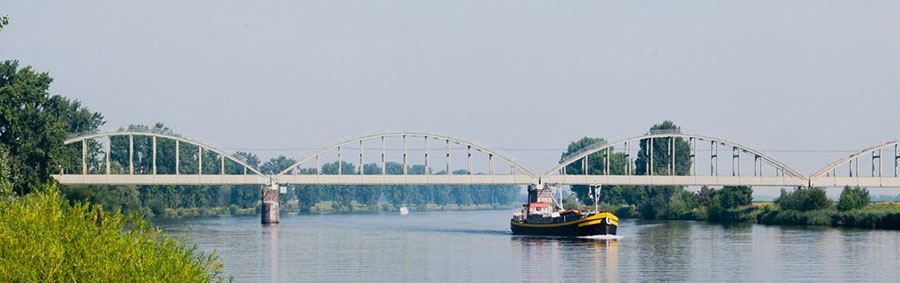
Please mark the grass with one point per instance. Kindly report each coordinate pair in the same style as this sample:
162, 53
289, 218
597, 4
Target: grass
44, 238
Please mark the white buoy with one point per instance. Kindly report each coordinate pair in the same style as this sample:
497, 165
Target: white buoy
404, 211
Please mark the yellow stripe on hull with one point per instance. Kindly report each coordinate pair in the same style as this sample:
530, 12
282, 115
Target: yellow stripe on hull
599, 221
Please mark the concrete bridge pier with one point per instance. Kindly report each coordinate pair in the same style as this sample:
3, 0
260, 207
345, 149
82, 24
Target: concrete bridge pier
270, 206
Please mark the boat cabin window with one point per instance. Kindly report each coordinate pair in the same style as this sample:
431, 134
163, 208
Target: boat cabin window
538, 208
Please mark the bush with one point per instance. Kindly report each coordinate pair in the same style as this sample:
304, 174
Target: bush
701, 213
853, 198
819, 217
804, 200
44, 238
822, 217
789, 217
158, 207
680, 205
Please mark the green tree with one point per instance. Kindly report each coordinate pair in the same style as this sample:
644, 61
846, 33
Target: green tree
657, 202
34, 125
4, 21
704, 195
853, 198
680, 203
662, 159
738, 195
278, 164
729, 197
803, 199
111, 198
367, 195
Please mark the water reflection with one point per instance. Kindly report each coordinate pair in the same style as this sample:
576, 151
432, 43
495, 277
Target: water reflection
270, 236
556, 259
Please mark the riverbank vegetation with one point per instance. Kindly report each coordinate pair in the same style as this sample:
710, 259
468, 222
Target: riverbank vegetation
45, 238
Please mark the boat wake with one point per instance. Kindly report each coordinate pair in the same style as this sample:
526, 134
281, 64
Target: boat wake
602, 237
588, 238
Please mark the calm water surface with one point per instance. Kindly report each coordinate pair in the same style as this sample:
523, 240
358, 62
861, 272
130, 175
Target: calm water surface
477, 246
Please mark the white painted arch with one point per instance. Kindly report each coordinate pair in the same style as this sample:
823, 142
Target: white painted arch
602, 147
165, 136
493, 154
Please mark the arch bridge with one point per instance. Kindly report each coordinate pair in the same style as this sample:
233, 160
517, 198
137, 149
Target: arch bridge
379, 172
181, 159
669, 158
657, 158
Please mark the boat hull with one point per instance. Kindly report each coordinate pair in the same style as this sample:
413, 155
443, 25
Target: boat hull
600, 224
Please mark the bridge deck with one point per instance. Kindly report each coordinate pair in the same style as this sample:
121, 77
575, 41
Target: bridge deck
855, 181
404, 179
126, 179
674, 180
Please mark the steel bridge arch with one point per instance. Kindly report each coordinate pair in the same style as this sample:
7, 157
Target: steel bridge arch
823, 178
800, 179
852, 157
262, 178
516, 167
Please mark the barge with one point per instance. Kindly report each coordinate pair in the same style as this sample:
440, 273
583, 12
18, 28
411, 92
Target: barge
538, 218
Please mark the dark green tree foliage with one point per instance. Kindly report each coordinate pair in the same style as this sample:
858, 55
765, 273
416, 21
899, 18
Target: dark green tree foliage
729, 197
278, 164
34, 125
111, 198
736, 196
368, 195
680, 205
661, 157
853, 198
803, 200
704, 195
657, 202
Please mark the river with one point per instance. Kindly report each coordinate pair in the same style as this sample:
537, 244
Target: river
476, 246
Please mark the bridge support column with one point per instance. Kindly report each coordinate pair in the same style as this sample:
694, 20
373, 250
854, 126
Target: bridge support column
270, 208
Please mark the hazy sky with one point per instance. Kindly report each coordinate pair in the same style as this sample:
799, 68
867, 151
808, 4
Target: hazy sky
804, 81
